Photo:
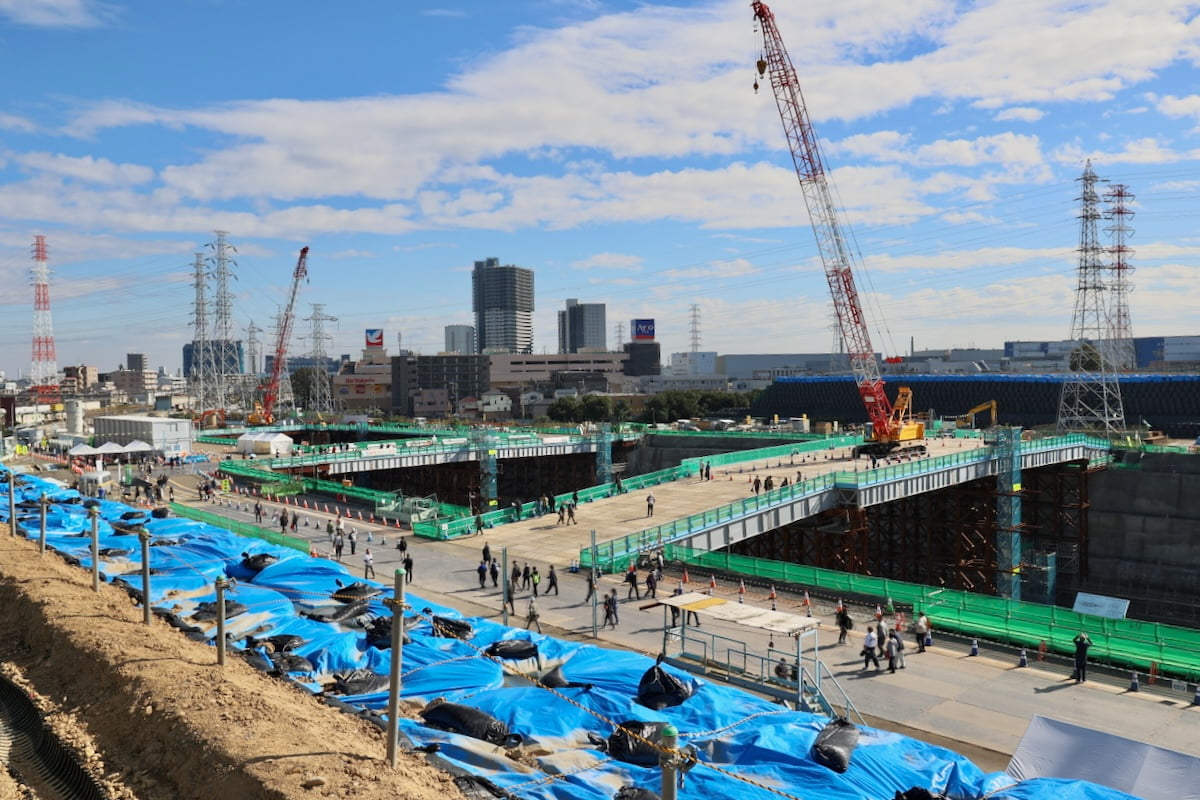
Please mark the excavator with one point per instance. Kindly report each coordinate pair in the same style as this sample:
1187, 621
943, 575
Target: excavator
967, 420
892, 428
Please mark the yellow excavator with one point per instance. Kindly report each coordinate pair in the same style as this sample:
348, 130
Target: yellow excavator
967, 420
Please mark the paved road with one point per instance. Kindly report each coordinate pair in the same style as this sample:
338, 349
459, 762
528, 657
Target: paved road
977, 705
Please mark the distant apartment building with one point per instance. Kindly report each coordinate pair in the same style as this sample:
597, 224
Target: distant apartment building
460, 339
502, 299
581, 327
136, 362
80, 378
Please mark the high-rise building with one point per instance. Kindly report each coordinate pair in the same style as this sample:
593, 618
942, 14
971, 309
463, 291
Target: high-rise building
460, 339
503, 304
136, 362
581, 327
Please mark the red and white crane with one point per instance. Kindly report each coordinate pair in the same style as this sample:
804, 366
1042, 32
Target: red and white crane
890, 424
283, 337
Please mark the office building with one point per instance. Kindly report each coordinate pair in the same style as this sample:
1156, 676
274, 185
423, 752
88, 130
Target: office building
581, 328
460, 339
502, 299
136, 362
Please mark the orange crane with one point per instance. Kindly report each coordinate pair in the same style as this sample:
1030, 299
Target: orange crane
892, 426
266, 414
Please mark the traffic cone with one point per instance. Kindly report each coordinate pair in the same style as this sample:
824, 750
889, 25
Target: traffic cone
1133, 682
712, 581
807, 603
684, 579
772, 595
360, 516
397, 522
878, 612
327, 508
1023, 660
974, 647
741, 590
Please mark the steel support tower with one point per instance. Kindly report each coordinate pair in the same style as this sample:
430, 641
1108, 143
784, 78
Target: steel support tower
694, 326
1091, 396
222, 344
321, 399
1008, 513
252, 348
1119, 198
43, 376
201, 376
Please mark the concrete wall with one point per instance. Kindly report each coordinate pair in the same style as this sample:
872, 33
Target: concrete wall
1144, 536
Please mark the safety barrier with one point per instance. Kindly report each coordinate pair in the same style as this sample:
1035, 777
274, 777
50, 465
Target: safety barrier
240, 528
1124, 642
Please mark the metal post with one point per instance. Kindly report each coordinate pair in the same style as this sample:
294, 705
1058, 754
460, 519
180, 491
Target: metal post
667, 760
145, 539
595, 578
504, 588
94, 513
43, 503
12, 503
393, 709
221, 584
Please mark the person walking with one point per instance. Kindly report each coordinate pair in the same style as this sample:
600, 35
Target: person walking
757, 484
890, 651
610, 612
591, 582
881, 631
295, 520
631, 578
650, 505
514, 577
494, 570
552, 581
408, 568
353, 538
487, 553
283, 520
1082, 643
482, 571
844, 623
870, 642
508, 598
616, 605
368, 564
534, 580
479, 524
329, 530
402, 546
921, 631
531, 616
651, 585
562, 512
895, 634
258, 511
339, 544
571, 514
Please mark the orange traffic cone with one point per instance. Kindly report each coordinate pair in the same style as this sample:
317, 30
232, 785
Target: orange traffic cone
684, 579
327, 508
741, 587
397, 522
772, 595
712, 581
840, 605
878, 612
360, 514
807, 602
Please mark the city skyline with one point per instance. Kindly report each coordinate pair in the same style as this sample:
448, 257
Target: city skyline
616, 149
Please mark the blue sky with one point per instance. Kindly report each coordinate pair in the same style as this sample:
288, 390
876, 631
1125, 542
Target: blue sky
616, 148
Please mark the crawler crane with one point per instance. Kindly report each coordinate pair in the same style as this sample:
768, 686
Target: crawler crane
891, 426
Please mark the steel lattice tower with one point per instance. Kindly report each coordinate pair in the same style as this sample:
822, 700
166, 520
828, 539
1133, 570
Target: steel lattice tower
202, 379
43, 377
222, 344
1118, 198
695, 328
252, 348
286, 398
321, 401
1091, 396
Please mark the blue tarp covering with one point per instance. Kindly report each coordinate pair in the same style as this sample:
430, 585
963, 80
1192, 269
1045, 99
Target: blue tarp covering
747, 747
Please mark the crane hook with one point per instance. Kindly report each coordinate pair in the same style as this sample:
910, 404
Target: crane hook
762, 66
756, 85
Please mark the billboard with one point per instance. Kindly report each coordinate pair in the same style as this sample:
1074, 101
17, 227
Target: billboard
375, 337
642, 330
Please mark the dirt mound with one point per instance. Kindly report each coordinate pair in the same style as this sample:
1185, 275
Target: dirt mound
152, 714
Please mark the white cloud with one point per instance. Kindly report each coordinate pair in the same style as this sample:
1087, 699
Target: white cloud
19, 124
1146, 150
86, 168
57, 13
1173, 106
609, 261
1021, 113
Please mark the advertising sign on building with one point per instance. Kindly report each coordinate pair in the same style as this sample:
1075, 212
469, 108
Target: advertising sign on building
642, 330
375, 337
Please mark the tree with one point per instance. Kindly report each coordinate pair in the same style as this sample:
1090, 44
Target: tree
304, 383
564, 409
596, 408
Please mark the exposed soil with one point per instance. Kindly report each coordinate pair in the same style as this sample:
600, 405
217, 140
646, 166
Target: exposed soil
150, 713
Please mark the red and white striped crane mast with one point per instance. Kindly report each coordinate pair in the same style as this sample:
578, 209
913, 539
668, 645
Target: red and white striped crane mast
889, 424
282, 338
43, 377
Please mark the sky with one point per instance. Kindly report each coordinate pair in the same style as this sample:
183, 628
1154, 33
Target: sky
618, 149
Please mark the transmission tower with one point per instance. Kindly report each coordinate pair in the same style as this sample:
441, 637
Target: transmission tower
222, 344
43, 377
252, 348
1118, 197
1091, 397
202, 378
695, 327
321, 400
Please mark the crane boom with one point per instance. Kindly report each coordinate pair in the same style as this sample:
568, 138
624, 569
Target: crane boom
283, 337
887, 423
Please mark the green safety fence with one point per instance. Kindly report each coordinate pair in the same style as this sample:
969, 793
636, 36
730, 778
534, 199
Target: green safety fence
1145, 646
777, 452
240, 528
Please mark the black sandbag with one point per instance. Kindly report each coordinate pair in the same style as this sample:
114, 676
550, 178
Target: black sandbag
450, 628
130, 515
339, 612
835, 745
161, 512
555, 679
356, 591
113, 552
468, 721
626, 742
258, 561
91, 502
360, 681
919, 793
207, 612
513, 649
659, 689
279, 643
635, 793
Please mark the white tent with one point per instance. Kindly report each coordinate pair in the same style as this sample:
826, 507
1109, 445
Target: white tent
110, 448
138, 446
82, 450
265, 444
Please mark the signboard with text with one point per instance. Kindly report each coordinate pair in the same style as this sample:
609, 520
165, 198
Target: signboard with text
642, 330
375, 337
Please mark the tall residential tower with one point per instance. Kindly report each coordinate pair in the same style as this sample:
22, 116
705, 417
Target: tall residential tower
581, 327
502, 299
